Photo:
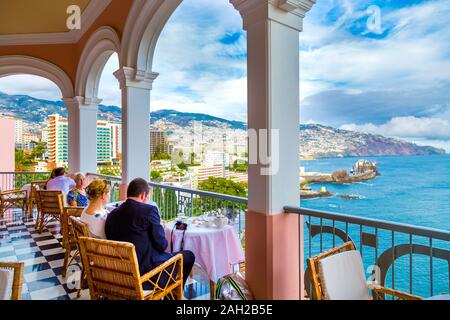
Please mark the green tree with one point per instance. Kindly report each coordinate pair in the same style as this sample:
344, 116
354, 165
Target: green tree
161, 156
156, 176
224, 186
182, 166
24, 161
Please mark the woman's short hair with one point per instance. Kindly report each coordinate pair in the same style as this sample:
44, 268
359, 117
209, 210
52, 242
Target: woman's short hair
96, 189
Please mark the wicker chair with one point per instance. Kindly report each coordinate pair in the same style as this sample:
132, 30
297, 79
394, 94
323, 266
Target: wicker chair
16, 293
68, 238
113, 273
13, 199
79, 229
33, 196
338, 274
50, 208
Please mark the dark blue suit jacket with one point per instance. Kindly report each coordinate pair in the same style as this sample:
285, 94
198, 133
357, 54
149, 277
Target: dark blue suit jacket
139, 224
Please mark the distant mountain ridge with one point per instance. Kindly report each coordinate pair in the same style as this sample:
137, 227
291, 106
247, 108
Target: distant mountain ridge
317, 141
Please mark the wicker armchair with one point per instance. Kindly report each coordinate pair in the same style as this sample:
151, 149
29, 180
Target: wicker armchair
68, 238
113, 273
16, 292
79, 229
50, 207
33, 196
338, 274
13, 199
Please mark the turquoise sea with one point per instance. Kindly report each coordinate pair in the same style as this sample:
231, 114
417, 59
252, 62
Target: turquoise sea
411, 189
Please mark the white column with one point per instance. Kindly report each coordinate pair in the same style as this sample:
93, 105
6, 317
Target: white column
274, 242
82, 130
135, 123
273, 98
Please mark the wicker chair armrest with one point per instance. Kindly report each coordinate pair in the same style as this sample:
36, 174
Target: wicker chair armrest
377, 289
16, 192
172, 261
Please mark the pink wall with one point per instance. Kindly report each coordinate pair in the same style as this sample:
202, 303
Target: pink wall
7, 162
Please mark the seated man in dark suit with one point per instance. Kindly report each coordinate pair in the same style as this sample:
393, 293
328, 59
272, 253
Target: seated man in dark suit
139, 223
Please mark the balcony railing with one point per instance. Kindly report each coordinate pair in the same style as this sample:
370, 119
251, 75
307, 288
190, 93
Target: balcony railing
404, 257
16, 180
174, 201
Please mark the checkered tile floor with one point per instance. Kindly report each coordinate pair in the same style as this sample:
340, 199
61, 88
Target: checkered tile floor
43, 257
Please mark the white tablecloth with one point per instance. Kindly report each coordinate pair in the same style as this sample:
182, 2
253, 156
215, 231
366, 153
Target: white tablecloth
113, 205
215, 249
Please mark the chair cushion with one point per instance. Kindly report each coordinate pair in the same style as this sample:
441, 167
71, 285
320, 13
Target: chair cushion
6, 282
342, 277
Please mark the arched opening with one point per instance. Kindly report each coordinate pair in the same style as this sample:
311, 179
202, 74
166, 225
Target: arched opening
201, 58
109, 125
32, 103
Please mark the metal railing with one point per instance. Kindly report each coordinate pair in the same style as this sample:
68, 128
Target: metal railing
404, 257
175, 201
16, 180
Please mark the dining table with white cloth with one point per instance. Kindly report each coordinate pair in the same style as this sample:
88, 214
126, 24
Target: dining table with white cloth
215, 249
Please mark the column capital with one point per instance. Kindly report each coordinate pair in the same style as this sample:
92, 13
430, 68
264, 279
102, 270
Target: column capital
82, 103
130, 77
287, 12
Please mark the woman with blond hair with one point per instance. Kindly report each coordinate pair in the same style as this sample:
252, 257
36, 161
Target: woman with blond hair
95, 213
77, 197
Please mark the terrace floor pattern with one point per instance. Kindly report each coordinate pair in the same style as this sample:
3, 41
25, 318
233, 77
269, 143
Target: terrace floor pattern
43, 257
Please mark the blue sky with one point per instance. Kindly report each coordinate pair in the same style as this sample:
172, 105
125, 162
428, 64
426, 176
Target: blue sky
374, 66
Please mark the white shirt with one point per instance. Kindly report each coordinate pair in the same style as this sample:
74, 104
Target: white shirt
95, 222
61, 183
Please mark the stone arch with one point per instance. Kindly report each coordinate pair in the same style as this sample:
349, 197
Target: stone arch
13, 65
101, 45
144, 25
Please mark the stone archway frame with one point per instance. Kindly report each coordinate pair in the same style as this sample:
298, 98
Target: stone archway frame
101, 45
17, 64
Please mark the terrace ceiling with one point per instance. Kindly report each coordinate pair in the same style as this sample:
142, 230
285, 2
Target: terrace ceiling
31, 16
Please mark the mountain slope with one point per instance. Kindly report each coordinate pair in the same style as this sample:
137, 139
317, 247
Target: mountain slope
316, 140
320, 141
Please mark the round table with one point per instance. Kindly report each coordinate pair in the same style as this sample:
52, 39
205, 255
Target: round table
215, 250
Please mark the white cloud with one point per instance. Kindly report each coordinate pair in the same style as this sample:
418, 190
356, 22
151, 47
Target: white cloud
407, 127
415, 54
34, 86
109, 89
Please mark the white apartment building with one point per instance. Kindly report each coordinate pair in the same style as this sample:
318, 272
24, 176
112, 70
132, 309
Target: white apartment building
161, 165
216, 158
202, 173
18, 131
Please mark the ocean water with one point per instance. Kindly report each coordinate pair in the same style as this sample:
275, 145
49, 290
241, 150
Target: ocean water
411, 189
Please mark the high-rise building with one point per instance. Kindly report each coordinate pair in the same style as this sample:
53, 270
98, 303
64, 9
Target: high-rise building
104, 153
159, 142
116, 140
57, 141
